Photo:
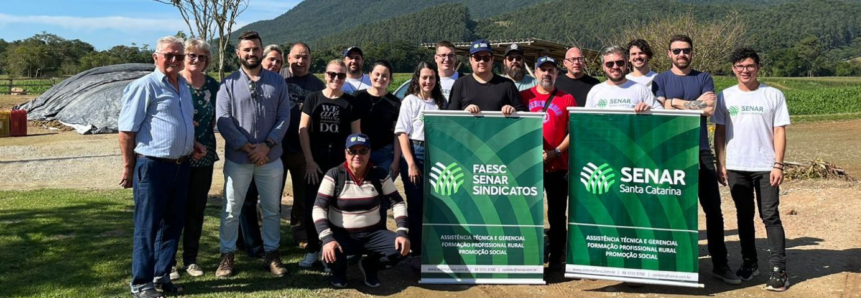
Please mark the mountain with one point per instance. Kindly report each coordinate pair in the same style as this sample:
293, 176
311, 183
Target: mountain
451, 22
313, 19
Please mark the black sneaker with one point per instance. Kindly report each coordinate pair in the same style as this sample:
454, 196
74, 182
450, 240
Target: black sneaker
369, 273
725, 274
747, 271
778, 282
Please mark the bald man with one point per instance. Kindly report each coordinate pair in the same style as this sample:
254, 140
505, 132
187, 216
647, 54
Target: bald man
576, 82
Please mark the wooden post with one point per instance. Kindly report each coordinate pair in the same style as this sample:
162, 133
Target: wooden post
10, 85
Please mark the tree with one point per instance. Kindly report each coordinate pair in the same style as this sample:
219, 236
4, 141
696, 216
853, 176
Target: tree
211, 19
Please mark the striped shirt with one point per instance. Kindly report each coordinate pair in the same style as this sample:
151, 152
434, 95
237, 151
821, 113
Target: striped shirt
357, 207
159, 115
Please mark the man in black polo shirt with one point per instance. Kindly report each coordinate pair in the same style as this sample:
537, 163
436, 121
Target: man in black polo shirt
484, 90
576, 82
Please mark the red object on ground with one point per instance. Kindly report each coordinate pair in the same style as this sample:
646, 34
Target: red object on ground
18, 123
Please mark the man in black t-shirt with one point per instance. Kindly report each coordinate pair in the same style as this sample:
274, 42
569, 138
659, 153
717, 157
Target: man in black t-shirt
576, 82
484, 90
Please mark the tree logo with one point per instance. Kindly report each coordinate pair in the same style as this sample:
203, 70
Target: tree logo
602, 103
598, 179
733, 111
446, 180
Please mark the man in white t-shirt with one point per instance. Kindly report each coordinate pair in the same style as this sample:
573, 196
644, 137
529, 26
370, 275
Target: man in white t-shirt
639, 54
618, 92
354, 58
446, 62
750, 140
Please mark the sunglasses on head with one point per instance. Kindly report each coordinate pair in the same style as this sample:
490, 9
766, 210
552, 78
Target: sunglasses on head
619, 63
685, 50
482, 58
362, 151
172, 57
197, 57
338, 75
514, 58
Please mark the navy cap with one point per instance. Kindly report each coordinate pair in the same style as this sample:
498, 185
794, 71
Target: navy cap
514, 48
353, 48
481, 45
546, 59
358, 139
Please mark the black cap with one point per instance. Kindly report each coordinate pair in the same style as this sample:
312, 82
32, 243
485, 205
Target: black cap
514, 48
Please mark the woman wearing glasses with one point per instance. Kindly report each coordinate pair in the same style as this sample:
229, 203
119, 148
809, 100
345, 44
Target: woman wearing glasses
203, 91
424, 93
380, 113
328, 117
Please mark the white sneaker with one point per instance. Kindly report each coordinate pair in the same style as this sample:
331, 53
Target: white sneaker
174, 273
194, 270
309, 260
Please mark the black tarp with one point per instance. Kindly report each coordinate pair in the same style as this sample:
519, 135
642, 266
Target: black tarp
90, 100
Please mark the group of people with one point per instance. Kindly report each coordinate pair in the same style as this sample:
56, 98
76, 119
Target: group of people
345, 140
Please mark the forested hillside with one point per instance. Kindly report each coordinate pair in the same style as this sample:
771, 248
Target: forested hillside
314, 19
441, 22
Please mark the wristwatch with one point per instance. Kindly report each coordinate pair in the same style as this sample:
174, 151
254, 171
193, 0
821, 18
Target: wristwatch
270, 144
558, 153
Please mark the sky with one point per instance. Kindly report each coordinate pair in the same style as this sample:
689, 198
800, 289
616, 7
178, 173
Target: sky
107, 23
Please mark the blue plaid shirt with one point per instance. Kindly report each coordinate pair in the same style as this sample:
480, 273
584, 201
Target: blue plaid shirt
159, 115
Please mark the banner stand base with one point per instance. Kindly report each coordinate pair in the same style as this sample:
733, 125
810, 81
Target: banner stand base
636, 280
481, 281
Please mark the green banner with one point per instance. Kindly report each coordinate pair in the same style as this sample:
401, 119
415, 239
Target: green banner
484, 199
633, 196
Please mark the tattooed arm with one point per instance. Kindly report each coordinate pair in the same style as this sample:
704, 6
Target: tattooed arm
705, 103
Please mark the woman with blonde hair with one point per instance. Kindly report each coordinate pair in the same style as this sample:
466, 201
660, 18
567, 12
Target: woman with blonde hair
329, 116
203, 91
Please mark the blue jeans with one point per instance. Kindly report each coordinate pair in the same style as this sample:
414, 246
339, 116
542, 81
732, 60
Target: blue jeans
237, 180
383, 158
160, 191
415, 198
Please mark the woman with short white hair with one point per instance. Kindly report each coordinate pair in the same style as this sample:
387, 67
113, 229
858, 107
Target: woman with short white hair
203, 91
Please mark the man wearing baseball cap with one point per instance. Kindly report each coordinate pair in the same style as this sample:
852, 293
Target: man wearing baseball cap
354, 58
545, 97
484, 90
514, 68
347, 217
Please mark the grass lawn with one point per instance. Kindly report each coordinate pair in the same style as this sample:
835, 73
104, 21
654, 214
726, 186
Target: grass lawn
67, 243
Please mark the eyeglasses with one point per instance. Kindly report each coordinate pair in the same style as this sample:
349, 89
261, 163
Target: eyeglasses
197, 57
444, 56
750, 67
172, 57
362, 151
619, 63
482, 58
576, 59
253, 89
339, 75
514, 58
687, 51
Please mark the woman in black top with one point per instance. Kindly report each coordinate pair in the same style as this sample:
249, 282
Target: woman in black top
328, 117
380, 113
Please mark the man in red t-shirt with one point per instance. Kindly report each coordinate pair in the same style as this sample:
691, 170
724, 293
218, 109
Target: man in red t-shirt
544, 97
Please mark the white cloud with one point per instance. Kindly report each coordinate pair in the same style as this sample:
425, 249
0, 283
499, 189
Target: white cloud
115, 23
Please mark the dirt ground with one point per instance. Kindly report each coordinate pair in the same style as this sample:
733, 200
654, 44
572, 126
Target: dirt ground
822, 218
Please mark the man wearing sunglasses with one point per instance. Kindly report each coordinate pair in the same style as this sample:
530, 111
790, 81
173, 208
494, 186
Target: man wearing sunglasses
484, 90
618, 92
156, 141
347, 216
576, 82
545, 97
354, 58
513, 67
252, 112
684, 88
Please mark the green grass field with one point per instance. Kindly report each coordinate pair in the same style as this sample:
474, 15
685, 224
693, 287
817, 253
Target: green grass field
69, 243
